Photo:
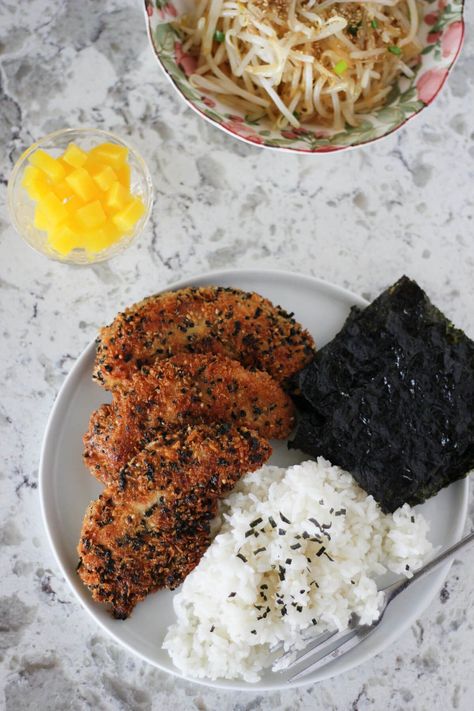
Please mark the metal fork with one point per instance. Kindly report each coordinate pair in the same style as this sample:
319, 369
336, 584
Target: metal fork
332, 644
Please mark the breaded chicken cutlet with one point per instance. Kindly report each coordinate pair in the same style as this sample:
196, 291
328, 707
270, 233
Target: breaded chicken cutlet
184, 389
243, 326
149, 529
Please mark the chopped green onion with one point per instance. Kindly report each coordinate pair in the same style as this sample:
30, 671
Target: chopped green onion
395, 50
219, 36
374, 24
340, 67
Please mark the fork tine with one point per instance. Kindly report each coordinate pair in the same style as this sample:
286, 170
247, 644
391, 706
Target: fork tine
279, 664
336, 649
319, 639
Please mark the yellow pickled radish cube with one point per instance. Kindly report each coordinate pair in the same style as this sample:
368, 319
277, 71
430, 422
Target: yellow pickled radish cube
105, 176
73, 204
92, 165
53, 209
101, 238
123, 174
64, 238
111, 154
67, 168
62, 190
31, 175
49, 165
74, 156
91, 215
127, 218
111, 232
82, 184
95, 241
40, 221
38, 189
117, 197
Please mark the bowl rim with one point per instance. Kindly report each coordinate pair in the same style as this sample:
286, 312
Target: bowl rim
323, 150
19, 165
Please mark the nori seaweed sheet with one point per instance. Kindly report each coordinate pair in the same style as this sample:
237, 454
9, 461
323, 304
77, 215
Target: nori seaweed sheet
392, 399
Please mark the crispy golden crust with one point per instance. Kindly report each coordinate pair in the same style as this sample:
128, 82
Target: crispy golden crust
241, 325
185, 389
148, 530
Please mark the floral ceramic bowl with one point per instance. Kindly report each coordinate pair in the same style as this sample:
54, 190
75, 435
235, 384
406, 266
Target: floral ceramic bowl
442, 32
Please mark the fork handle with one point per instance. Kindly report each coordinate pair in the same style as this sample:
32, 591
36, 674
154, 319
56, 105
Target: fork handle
436, 562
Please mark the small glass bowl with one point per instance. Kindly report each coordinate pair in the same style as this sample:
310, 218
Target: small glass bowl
22, 208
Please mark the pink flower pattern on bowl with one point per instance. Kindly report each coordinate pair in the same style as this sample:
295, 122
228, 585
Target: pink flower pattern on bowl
429, 84
452, 39
187, 63
441, 33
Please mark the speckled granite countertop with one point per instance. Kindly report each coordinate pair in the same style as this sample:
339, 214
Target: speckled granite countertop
359, 219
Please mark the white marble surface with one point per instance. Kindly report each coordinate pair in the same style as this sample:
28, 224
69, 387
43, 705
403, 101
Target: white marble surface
359, 219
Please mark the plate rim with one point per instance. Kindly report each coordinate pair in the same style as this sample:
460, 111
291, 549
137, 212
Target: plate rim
48, 454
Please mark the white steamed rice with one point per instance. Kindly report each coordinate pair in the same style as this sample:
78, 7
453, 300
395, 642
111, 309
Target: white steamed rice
313, 572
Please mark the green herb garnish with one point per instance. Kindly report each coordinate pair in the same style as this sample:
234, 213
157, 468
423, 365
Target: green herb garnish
374, 24
219, 36
395, 50
340, 67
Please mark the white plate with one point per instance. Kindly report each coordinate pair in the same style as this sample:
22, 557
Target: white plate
66, 488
